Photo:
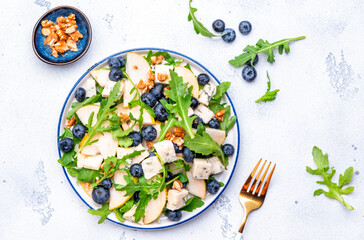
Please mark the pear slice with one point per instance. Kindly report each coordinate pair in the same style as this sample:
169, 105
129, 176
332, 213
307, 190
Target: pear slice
155, 207
128, 97
217, 135
118, 198
83, 113
87, 187
188, 77
92, 149
107, 145
147, 118
100, 75
195, 186
137, 67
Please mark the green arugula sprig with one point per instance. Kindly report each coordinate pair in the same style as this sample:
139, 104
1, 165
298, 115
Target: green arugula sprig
167, 57
323, 170
250, 52
269, 95
198, 26
105, 109
192, 203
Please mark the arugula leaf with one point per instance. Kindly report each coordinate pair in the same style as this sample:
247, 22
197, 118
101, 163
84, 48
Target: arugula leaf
269, 95
262, 46
228, 122
125, 142
323, 170
171, 121
76, 105
221, 89
192, 203
198, 26
178, 94
84, 174
103, 212
141, 205
188, 67
126, 207
200, 128
102, 116
205, 145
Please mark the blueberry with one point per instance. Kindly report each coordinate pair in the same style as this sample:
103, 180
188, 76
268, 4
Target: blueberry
106, 183
100, 195
152, 154
213, 186
176, 148
218, 25
66, 144
228, 149
149, 99
122, 61
137, 138
165, 99
229, 35
214, 123
255, 61
194, 102
136, 196
160, 112
175, 215
245, 27
136, 170
157, 91
203, 79
188, 155
196, 121
249, 73
115, 74
79, 131
114, 63
80, 94
149, 133
184, 185
169, 176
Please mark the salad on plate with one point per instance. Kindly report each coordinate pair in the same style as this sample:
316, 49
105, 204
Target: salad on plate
145, 137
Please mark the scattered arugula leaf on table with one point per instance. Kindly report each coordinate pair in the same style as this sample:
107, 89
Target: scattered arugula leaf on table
192, 203
269, 95
198, 26
103, 212
323, 170
262, 46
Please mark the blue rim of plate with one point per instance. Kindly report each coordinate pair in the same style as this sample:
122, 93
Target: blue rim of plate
154, 49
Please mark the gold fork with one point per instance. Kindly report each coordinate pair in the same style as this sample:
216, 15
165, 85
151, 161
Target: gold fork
249, 199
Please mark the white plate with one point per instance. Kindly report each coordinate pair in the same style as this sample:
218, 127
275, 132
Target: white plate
232, 138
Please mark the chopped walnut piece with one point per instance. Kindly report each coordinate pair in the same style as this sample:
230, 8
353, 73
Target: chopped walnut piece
62, 35
135, 67
47, 23
124, 117
61, 46
71, 29
54, 52
149, 144
71, 122
46, 31
178, 141
179, 132
72, 45
51, 39
220, 115
141, 84
76, 35
61, 19
157, 60
151, 76
72, 16
169, 136
162, 76
177, 185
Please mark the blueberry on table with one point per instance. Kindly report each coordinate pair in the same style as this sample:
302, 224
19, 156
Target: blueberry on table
169, 177
174, 215
114, 63
136, 196
245, 27
136, 170
122, 61
176, 148
228, 149
80, 94
149, 133
196, 121
79, 131
115, 74
106, 183
194, 102
66, 144
137, 138
203, 79
214, 123
249, 73
157, 91
160, 112
148, 99
228, 35
188, 155
255, 61
100, 195
213, 186
218, 25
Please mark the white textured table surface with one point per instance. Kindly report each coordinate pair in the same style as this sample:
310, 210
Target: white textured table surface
320, 103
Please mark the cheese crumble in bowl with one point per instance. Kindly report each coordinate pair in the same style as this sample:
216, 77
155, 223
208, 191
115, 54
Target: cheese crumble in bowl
62, 36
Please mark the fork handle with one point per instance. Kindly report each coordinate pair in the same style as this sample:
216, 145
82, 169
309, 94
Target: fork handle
242, 225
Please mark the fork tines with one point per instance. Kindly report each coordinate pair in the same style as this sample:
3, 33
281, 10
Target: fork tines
258, 180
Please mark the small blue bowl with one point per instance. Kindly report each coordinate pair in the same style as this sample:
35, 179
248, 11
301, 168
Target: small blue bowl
43, 51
